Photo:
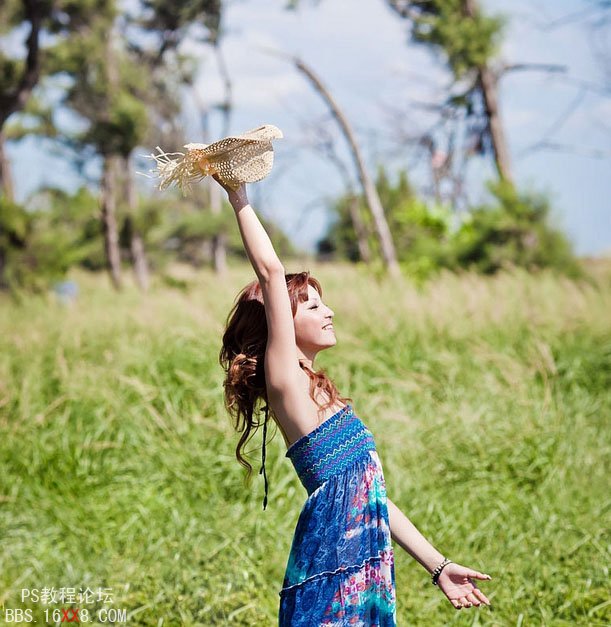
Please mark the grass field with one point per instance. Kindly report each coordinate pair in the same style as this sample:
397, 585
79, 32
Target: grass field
489, 399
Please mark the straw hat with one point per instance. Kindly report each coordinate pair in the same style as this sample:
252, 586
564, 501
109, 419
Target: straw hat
236, 159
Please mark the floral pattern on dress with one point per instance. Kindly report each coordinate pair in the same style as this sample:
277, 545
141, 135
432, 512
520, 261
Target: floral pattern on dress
340, 569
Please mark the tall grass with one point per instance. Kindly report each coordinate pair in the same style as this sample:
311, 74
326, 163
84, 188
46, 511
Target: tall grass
488, 398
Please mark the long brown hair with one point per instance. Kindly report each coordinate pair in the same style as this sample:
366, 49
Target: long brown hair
242, 357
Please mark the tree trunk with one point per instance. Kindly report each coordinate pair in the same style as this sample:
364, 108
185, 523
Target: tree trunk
6, 179
216, 248
359, 229
353, 202
219, 240
15, 100
138, 256
109, 176
3, 284
136, 243
109, 221
369, 189
488, 83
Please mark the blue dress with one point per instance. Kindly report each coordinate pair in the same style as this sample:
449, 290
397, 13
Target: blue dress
340, 569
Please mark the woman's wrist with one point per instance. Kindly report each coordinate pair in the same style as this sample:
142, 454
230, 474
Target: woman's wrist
438, 570
431, 563
238, 198
239, 204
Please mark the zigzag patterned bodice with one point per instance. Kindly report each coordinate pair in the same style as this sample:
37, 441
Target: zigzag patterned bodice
330, 448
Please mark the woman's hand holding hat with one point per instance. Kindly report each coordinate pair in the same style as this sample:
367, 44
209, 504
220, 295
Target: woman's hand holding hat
235, 160
237, 197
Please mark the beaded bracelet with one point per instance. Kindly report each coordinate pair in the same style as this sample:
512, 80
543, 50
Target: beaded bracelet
437, 571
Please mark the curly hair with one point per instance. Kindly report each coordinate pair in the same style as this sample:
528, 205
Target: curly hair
242, 357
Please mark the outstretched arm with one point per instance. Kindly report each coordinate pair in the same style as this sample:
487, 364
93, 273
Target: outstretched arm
282, 370
405, 534
257, 244
454, 579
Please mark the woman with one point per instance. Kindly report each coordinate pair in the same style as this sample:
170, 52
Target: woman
340, 569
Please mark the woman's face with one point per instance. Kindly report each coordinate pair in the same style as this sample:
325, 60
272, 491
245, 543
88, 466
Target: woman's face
313, 323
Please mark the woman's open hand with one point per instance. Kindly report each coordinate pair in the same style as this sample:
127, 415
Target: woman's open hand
455, 581
237, 197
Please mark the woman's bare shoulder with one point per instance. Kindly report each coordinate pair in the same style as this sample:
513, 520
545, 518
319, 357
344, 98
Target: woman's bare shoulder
296, 412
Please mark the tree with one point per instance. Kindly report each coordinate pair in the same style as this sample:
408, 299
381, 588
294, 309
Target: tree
387, 247
55, 22
108, 92
41, 243
170, 24
420, 231
117, 87
513, 230
468, 39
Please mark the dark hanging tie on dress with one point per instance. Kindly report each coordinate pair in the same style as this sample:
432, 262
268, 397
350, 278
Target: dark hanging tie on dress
266, 409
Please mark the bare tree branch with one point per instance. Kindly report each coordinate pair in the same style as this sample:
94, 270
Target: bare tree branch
537, 67
558, 123
575, 16
594, 153
369, 189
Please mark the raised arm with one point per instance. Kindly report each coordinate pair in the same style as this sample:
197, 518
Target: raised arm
259, 247
282, 371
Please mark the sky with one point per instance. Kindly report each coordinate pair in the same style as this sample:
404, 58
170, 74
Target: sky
362, 53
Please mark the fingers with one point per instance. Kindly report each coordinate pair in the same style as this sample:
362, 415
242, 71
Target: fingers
477, 575
481, 596
217, 178
466, 601
475, 598
461, 602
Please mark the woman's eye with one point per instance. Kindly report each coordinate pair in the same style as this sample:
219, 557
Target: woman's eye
315, 307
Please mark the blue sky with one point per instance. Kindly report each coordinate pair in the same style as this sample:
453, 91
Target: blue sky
362, 53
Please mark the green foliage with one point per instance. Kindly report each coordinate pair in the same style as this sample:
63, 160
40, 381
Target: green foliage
122, 126
467, 42
36, 118
59, 230
107, 89
10, 73
515, 230
59, 21
37, 247
14, 223
168, 19
419, 231
189, 226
